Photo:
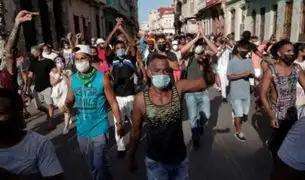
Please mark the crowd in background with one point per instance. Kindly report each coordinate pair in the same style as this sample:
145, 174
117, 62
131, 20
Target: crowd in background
144, 80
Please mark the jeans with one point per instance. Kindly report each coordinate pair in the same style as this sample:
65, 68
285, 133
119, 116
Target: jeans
198, 107
94, 152
240, 107
159, 171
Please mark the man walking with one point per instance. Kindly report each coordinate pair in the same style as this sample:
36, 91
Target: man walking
40, 68
91, 90
160, 107
240, 69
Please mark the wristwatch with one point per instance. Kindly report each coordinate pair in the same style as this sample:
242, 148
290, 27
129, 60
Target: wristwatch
119, 123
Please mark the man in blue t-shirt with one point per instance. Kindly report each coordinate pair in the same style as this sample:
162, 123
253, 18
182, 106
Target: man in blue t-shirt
240, 69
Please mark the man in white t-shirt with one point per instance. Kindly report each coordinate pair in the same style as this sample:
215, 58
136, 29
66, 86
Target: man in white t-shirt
224, 52
23, 154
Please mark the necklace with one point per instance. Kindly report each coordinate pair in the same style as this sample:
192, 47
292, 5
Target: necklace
87, 78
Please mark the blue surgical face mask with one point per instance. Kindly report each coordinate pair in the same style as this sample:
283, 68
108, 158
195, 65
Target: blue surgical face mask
120, 52
160, 81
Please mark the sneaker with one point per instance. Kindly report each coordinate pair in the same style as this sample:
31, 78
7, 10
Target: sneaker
121, 154
240, 136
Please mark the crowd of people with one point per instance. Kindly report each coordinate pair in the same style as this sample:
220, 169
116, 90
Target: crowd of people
144, 80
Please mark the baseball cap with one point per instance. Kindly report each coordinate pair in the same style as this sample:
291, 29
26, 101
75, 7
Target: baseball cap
82, 49
100, 41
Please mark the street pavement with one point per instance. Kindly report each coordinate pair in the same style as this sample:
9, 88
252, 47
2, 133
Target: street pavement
221, 156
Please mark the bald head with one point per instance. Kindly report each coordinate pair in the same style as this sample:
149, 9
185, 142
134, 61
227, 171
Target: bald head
158, 65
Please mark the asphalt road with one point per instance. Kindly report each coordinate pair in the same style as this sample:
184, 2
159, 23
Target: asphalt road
221, 156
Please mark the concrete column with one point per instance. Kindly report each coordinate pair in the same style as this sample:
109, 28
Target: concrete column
295, 25
238, 12
228, 19
268, 23
52, 23
280, 19
38, 26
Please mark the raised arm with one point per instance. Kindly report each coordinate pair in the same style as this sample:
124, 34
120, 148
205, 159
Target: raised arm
70, 41
21, 17
141, 65
206, 39
189, 45
107, 42
129, 39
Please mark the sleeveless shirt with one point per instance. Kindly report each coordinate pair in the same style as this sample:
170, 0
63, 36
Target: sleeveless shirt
91, 109
285, 86
165, 142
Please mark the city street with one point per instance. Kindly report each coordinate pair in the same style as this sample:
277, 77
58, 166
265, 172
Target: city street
221, 156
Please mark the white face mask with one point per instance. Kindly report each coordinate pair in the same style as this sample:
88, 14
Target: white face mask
60, 65
257, 43
82, 66
175, 47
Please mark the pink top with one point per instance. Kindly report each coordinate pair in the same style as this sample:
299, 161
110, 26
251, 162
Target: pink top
256, 60
104, 66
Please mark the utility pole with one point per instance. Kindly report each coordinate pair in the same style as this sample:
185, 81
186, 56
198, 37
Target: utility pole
2, 30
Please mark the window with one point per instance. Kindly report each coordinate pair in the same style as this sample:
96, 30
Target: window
233, 20
76, 24
262, 27
254, 22
275, 15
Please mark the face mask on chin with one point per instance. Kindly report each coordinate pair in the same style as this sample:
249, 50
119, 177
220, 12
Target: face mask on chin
288, 60
60, 65
160, 81
120, 53
82, 66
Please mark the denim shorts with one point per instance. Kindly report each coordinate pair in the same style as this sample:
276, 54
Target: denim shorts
159, 171
240, 107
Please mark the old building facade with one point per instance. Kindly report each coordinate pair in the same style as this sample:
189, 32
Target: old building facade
281, 18
209, 12
161, 20
58, 17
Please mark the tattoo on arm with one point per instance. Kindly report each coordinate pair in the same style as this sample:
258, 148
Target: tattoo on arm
9, 48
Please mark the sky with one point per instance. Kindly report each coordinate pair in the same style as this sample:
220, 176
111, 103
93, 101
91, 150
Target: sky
145, 6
